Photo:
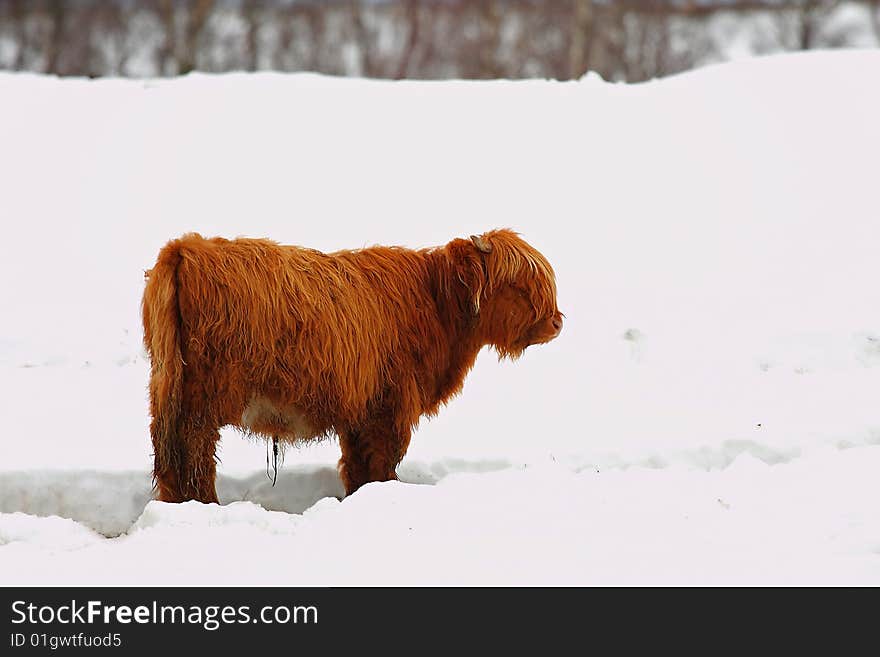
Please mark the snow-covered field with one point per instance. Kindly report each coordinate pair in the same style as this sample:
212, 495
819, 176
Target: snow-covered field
710, 413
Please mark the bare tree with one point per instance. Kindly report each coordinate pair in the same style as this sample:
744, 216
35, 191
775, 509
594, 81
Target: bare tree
874, 14
183, 23
196, 19
582, 36
17, 17
166, 52
114, 19
315, 20
253, 16
284, 20
412, 38
363, 40
490, 36
56, 11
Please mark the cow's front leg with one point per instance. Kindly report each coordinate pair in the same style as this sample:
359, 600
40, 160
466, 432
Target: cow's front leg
371, 453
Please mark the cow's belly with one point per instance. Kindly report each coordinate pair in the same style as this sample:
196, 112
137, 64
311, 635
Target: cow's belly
285, 422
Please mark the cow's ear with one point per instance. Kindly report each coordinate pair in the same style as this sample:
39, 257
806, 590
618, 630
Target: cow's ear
476, 280
477, 286
468, 273
481, 243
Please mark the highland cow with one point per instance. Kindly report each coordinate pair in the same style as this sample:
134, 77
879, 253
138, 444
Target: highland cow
292, 344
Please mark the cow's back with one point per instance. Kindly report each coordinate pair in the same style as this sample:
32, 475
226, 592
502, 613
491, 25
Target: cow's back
299, 326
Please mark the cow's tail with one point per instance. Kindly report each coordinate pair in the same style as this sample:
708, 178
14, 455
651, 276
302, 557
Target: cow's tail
162, 335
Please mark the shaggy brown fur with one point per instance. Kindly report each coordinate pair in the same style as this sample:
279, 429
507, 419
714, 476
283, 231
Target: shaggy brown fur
294, 344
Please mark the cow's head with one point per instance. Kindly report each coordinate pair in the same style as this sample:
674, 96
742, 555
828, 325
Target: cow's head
512, 291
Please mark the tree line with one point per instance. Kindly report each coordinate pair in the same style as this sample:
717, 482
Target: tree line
628, 40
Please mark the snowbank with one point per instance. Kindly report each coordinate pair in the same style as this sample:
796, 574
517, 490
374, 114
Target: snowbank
714, 236
812, 521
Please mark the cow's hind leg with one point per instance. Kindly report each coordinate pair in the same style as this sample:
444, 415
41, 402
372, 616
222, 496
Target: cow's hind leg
186, 468
370, 453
